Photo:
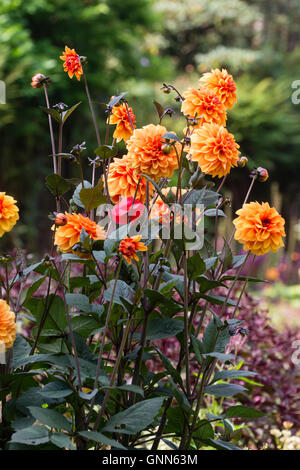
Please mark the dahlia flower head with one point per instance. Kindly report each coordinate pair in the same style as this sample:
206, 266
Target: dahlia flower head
129, 246
204, 105
124, 118
221, 83
9, 213
72, 63
8, 327
68, 235
124, 181
259, 227
146, 153
215, 150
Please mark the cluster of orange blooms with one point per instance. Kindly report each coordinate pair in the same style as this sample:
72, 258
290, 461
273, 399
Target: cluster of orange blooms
259, 227
212, 146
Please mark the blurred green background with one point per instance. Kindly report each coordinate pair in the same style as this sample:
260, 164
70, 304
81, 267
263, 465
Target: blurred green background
134, 46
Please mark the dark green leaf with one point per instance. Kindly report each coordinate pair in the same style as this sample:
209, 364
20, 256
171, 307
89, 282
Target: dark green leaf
159, 108
216, 299
224, 390
171, 136
116, 99
55, 390
92, 198
223, 445
66, 114
122, 290
76, 195
195, 266
136, 418
241, 411
106, 151
161, 328
57, 185
198, 348
78, 301
232, 374
50, 417
52, 112
34, 435
213, 213
101, 439
62, 441
169, 368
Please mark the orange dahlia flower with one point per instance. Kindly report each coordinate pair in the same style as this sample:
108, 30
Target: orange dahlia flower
72, 63
120, 117
146, 153
66, 236
259, 228
214, 149
122, 181
204, 105
8, 327
9, 213
222, 84
129, 246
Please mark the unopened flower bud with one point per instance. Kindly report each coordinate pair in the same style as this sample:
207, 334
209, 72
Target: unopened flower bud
178, 99
38, 80
166, 89
167, 149
60, 219
242, 162
262, 174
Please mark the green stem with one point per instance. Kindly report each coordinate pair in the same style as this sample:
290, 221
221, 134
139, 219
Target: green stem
51, 132
114, 374
98, 369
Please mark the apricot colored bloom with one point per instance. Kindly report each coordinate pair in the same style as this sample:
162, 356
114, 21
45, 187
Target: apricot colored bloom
123, 181
259, 228
66, 236
214, 149
8, 327
222, 84
9, 213
203, 105
146, 153
129, 246
120, 117
71, 63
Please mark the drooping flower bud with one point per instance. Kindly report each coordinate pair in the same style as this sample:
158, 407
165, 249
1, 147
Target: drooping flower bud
38, 80
262, 174
242, 162
60, 219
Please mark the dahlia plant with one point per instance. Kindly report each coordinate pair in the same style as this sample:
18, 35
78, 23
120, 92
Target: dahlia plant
130, 264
